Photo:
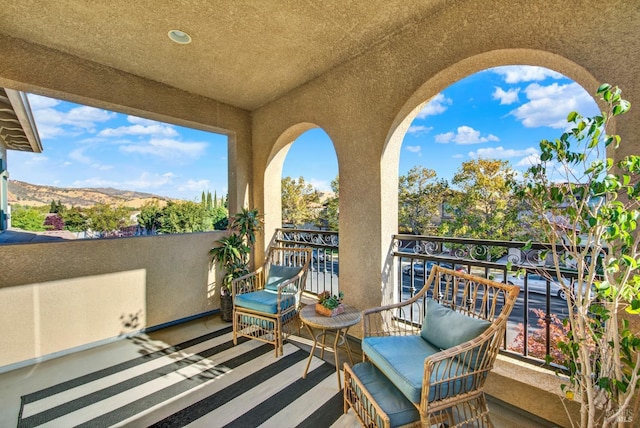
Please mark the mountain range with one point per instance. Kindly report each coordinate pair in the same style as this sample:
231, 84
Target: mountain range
28, 194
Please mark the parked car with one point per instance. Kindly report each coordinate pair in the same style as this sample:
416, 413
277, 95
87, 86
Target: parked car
419, 268
535, 283
317, 255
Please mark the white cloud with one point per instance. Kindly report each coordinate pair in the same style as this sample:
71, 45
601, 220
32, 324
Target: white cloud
150, 180
528, 161
525, 73
79, 156
166, 148
414, 149
419, 129
506, 97
458, 156
37, 159
101, 167
445, 138
436, 105
465, 135
38, 102
141, 121
322, 185
502, 153
550, 105
52, 121
156, 129
95, 182
194, 185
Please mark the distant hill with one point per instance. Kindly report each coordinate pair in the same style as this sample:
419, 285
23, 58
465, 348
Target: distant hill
36, 195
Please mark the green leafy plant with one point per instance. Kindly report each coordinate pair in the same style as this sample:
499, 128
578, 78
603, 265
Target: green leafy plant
328, 301
232, 252
589, 207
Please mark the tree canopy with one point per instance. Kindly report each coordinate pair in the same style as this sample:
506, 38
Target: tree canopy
483, 205
420, 198
298, 198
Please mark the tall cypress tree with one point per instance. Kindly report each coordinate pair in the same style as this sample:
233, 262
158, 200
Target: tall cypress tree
209, 203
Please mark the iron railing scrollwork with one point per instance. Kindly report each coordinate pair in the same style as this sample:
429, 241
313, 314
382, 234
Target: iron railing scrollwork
324, 270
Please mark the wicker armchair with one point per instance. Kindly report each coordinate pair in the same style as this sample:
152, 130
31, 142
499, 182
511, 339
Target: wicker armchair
441, 365
268, 300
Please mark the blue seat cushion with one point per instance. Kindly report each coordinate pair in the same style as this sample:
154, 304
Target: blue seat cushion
278, 274
399, 409
401, 359
264, 301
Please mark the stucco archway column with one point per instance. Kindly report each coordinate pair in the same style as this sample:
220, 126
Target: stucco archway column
368, 218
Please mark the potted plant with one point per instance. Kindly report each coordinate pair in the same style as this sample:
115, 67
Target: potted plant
589, 209
329, 305
232, 252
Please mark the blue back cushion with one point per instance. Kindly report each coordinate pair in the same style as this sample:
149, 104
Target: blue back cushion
446, 328
279, 274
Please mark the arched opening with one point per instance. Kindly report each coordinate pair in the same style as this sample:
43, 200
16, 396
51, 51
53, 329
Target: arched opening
496, 114
463, 145
301, 200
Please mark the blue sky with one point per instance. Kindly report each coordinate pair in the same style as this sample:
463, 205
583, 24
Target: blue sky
497, 113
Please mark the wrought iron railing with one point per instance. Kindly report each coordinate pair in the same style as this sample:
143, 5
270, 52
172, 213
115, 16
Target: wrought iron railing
535, 324
324, 269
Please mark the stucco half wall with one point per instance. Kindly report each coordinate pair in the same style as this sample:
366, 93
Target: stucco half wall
64, 295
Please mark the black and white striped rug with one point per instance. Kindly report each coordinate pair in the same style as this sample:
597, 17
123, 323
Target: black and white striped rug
204, 382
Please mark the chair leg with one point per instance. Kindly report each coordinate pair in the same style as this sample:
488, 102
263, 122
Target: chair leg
235, 328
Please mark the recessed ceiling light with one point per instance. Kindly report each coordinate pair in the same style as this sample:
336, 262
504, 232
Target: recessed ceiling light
179, 37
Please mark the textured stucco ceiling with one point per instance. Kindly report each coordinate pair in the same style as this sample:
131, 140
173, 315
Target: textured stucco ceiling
244, 53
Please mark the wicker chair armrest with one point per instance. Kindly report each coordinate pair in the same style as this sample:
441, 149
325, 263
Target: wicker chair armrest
464, 365
252, 281
384, 320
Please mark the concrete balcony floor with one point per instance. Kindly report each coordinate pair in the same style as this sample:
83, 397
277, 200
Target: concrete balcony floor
27, 380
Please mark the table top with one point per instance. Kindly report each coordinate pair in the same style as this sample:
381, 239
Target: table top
350, 316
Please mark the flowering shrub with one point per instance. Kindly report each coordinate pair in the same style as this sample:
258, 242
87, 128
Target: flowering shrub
537, 341
54, 222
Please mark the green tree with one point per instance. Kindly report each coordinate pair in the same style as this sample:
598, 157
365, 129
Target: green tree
484, 205
332, 205
420, 198
297, 199
203, 200
105, 219
591, 219
56, 207
183, 217
209, 201
150, 216
75, 220
219, 218
27, 218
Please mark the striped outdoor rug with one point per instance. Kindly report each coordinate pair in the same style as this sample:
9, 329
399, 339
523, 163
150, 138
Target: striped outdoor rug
204, 382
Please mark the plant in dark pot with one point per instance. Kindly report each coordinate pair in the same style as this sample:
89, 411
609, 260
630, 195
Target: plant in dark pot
232, 252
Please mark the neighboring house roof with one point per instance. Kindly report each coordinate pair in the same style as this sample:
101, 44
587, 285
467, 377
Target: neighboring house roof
17, 126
